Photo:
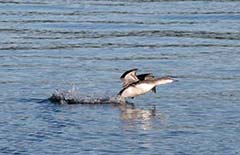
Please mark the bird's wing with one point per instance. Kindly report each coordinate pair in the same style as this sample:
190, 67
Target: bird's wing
129, 77
147, 76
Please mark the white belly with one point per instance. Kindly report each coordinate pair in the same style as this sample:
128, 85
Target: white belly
136, 90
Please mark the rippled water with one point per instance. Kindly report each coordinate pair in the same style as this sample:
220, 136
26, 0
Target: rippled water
48, 45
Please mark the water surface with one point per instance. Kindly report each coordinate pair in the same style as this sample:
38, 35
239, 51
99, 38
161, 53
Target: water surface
48, 45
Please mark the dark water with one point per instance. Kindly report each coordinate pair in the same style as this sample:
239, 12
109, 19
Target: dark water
47, 45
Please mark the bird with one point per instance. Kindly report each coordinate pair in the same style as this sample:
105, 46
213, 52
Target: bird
135, 85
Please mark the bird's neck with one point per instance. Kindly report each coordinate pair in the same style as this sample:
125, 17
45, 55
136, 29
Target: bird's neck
161, 81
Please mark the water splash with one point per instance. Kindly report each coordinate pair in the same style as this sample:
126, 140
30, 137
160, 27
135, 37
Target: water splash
72, 96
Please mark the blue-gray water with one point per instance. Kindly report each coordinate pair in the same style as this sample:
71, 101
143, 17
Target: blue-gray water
47, 45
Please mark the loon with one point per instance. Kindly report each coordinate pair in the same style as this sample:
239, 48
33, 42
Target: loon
135, 85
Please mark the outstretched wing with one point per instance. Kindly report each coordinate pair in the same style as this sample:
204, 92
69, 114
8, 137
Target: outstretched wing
129, 77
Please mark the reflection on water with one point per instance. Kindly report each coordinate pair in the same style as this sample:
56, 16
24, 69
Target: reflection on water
139, 118
131, 113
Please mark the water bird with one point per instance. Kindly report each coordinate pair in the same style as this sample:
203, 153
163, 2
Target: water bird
135, 85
